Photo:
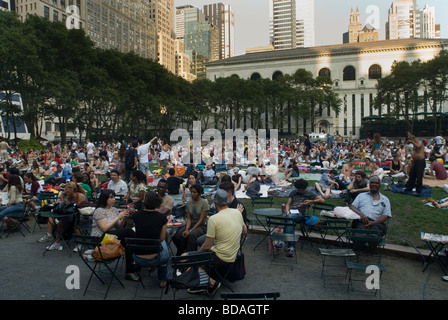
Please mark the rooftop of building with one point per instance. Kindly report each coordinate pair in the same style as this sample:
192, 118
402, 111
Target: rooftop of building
332, 50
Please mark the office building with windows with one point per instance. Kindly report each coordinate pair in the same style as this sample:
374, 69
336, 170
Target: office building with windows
406, 21
223, 19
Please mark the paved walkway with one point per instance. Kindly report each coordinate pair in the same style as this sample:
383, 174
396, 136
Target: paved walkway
28, 275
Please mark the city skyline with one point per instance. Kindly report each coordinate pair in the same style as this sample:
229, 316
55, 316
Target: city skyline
331, 19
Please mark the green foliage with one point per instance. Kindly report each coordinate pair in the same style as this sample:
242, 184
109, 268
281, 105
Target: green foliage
410, 86
106, 94
31, 144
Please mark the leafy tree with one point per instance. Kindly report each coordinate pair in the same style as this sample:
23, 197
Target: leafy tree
435, 83
400, 91
18, 61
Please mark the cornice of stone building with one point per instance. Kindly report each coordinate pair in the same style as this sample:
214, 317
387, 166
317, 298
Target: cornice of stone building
333, 50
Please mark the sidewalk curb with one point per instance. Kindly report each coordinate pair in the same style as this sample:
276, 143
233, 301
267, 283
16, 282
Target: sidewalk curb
389, 249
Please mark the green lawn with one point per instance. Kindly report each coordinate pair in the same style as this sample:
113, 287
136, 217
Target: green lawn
410, 216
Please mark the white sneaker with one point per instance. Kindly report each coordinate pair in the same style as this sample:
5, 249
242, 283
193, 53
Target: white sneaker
55, 246
46, 238
280, 245
77, 248
445, 278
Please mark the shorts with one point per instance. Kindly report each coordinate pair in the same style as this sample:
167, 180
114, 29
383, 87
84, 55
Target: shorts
143, 167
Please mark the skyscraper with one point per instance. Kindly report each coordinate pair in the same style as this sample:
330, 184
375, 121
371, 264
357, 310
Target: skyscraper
291, 23
222, 17
162, 12
180, 21
284, 24
305, 12
201, 41
109, 24
427, 17
406, 20
402, 20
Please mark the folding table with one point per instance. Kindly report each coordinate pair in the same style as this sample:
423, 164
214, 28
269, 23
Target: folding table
266, 212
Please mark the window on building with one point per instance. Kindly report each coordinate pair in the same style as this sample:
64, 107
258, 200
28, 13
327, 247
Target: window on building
375, 72
48, 126
349, 73
325, 73
276, 75
46, 12
255, 76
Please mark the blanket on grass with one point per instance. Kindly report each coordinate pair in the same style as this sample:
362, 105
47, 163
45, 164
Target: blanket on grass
399, 188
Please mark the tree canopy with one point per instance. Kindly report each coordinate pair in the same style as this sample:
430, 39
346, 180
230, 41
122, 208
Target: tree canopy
107, 94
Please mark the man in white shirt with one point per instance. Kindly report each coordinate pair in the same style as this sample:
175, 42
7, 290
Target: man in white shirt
116, 184
90, 149
143, 152
378, 171
164, 155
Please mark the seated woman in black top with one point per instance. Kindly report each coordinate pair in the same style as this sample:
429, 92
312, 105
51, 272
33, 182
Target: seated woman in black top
151, 224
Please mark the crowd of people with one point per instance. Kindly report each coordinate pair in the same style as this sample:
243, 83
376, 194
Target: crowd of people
101, 174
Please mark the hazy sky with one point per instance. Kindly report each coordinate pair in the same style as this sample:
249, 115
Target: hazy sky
331, 19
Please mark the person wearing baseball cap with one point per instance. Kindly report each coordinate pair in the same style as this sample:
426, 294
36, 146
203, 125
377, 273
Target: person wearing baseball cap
223, 235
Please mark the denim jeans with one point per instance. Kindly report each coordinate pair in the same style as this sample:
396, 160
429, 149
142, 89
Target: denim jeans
298, 218
160, 262
5, 211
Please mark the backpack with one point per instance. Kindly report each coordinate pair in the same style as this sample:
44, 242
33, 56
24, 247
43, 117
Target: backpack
183, 279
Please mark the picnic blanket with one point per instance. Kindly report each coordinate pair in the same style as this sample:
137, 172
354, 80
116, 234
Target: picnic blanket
399, 188
239, 194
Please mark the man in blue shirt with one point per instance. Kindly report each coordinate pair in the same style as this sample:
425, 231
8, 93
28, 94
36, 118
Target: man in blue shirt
326, 182
60, 176
373, 208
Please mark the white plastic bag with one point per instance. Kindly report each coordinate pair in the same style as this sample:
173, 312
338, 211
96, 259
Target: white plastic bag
346, 213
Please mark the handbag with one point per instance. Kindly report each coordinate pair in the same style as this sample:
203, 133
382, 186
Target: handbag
238, 270
189, 278
66, 208
108, 250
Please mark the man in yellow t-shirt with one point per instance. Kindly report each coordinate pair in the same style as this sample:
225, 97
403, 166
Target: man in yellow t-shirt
223, 234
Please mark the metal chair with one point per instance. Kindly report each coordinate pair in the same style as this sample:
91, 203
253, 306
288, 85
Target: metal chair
90, 242
314, 210
274, 225
226, 276
19, 216
368, 245
263, 201
149, 245
180, 265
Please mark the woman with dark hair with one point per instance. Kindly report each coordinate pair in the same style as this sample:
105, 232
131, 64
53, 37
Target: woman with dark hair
15, 200
192, 180
36, 169
197, 210
152, 224
108, 219
137, 189
32, 188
